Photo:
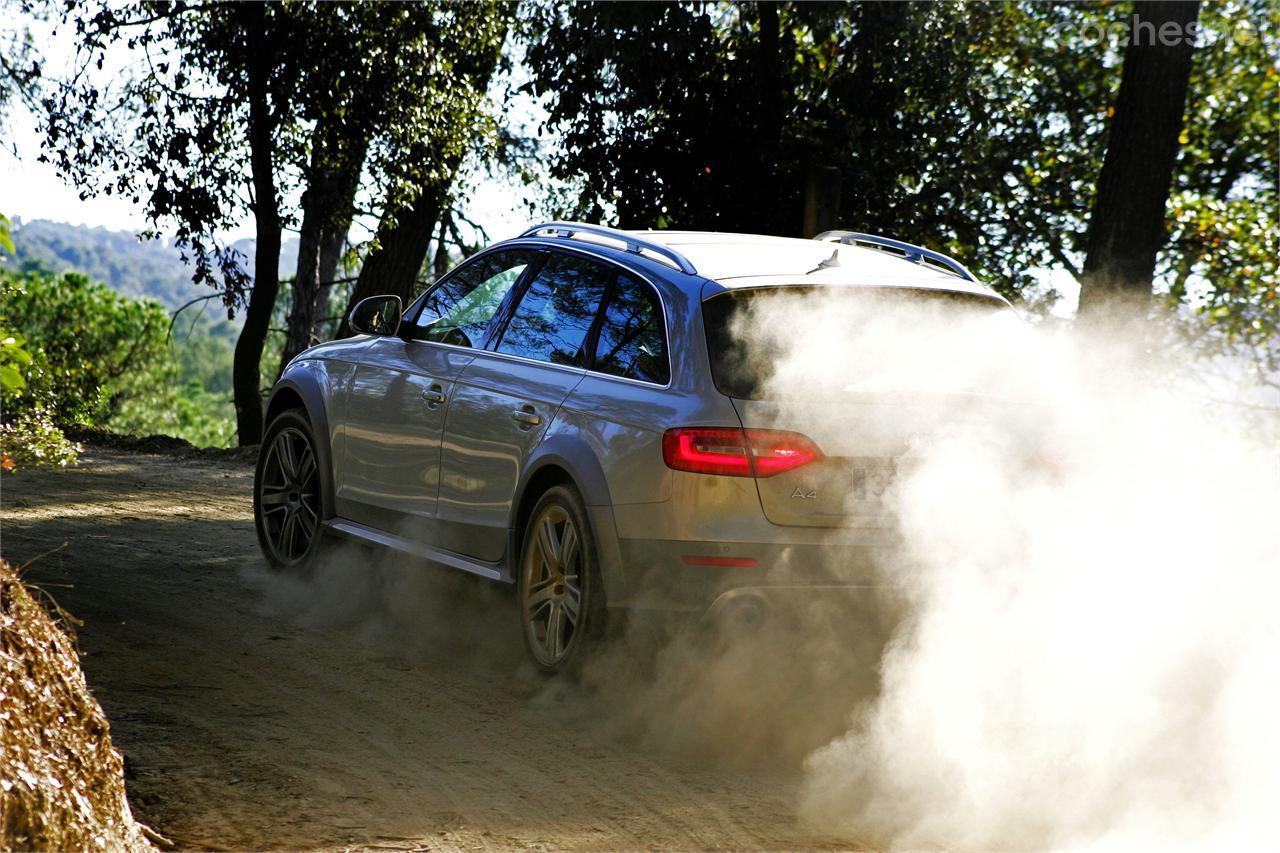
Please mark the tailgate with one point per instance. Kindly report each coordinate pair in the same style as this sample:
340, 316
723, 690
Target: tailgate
863, 440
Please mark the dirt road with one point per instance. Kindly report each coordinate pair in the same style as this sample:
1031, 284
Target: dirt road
366, 706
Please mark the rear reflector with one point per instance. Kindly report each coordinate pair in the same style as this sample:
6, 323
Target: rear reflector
735, 452
736, 562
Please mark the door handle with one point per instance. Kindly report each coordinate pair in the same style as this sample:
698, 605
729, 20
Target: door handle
433, 396
526, 416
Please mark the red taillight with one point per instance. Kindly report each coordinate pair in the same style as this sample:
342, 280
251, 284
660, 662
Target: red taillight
735, 452
775, 451
707, 450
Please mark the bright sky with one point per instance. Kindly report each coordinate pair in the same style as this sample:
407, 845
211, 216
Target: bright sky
30, 189
33, 190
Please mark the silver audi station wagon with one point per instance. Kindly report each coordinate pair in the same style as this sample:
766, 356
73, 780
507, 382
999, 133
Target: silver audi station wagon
567, 412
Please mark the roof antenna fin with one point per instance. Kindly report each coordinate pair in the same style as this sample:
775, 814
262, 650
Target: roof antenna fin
830, 263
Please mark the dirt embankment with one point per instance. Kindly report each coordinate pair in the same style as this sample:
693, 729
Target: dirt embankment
375, 705
61, 779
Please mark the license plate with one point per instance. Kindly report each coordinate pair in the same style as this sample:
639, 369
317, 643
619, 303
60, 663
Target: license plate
871, 477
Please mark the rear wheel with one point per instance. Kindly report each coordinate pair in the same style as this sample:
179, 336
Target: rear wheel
559, 593
287, 505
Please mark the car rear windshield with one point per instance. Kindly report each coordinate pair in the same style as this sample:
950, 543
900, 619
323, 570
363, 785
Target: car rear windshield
740, 362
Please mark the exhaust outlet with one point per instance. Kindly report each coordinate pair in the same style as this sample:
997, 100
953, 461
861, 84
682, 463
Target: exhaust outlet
739, 610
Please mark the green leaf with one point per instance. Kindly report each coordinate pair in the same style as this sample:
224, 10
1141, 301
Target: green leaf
10, 378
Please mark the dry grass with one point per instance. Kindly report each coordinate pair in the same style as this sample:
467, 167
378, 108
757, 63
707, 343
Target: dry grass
61, 780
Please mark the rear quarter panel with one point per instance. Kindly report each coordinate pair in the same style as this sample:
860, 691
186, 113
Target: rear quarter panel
623, 421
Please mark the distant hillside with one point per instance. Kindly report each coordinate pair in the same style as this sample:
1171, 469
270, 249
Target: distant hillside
151, 269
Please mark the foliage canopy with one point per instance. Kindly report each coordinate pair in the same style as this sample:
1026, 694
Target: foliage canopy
977, 129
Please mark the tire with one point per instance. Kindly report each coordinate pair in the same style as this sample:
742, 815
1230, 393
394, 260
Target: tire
559, 596
288, 489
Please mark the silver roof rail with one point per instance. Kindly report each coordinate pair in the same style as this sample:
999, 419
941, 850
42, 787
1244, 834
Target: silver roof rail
913, 253
634, 244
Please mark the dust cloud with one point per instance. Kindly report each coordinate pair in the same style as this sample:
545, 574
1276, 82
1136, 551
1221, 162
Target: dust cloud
1090, 562
396, 608
752, 698
1074, 645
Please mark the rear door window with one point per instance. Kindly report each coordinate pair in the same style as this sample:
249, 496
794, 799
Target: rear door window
553, 317
632, 340
459, 310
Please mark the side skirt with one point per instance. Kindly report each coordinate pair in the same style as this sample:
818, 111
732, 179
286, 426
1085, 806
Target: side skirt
435, 556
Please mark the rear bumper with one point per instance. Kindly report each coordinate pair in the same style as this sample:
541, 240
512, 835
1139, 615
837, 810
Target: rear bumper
708, 577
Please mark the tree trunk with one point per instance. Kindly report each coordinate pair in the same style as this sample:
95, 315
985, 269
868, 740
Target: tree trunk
330, 256
336, 160
402, 247
440, 263
245, 375
306, 283
1127, 225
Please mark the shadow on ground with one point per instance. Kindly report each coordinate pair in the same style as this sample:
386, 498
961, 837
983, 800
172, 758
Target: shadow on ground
382, 704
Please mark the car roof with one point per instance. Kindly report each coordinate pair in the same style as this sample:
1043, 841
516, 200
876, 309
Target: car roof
736, 261
758, 260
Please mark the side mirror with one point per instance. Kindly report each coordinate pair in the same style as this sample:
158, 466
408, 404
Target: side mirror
376, 315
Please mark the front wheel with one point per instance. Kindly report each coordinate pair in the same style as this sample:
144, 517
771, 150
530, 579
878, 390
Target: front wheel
559, 592
287, 493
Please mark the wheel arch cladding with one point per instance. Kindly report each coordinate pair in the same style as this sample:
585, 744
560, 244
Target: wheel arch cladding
284, 397
563, 459
289, 393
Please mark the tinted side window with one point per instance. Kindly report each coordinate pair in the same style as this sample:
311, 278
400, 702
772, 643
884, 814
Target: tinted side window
735, 367
459, 309
556, 311
632, 339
